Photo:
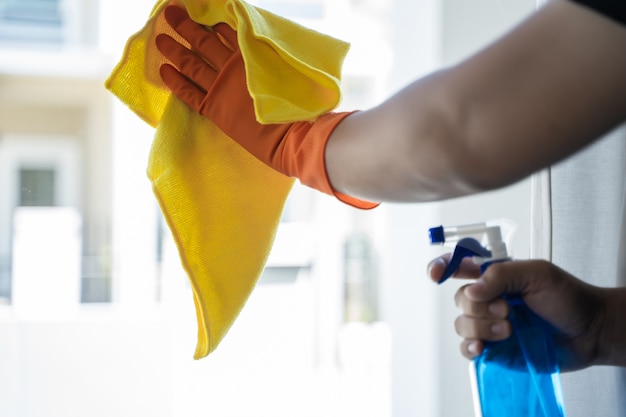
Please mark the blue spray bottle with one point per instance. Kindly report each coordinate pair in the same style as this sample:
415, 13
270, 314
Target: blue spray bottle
519, 376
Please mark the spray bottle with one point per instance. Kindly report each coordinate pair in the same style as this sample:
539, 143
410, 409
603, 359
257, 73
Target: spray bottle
519, 376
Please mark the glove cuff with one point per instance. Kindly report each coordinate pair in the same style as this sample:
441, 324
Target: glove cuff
310, 160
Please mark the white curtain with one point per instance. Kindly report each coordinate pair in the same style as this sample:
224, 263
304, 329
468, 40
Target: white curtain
578, 212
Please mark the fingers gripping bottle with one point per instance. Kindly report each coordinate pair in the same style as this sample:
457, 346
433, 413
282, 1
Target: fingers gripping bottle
519, 376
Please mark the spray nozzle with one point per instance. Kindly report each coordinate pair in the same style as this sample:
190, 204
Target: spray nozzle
483, 242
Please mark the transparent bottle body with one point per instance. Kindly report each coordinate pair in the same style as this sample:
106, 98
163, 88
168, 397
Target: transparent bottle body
520, 375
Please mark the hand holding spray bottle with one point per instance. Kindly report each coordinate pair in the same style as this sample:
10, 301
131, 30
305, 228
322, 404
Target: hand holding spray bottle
519, 376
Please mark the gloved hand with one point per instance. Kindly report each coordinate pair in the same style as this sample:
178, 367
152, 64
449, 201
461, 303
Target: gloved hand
211, 79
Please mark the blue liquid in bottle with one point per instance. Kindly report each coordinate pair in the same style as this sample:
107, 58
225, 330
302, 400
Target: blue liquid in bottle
519, 377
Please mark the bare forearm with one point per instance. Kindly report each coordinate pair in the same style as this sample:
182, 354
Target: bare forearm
542, 92
402, 150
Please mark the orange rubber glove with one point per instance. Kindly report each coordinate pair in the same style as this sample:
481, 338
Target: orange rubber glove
210, 78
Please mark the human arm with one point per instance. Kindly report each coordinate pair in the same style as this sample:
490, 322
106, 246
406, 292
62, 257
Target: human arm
543, 91
546, 89
590, 320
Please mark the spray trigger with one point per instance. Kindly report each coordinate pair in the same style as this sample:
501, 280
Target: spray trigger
467, 247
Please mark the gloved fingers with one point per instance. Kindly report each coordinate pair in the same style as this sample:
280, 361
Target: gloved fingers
228, 36
206, 42
188, 92
197, 70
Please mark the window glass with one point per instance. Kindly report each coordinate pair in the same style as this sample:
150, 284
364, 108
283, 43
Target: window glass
37, 187
31, 20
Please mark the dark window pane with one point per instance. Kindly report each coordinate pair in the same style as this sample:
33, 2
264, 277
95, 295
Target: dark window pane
37, 187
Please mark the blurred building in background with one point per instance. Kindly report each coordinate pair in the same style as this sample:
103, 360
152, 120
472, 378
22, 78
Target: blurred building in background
55, 140
96, 315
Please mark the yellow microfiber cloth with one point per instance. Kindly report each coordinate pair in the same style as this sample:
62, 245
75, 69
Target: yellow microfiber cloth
222, 205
